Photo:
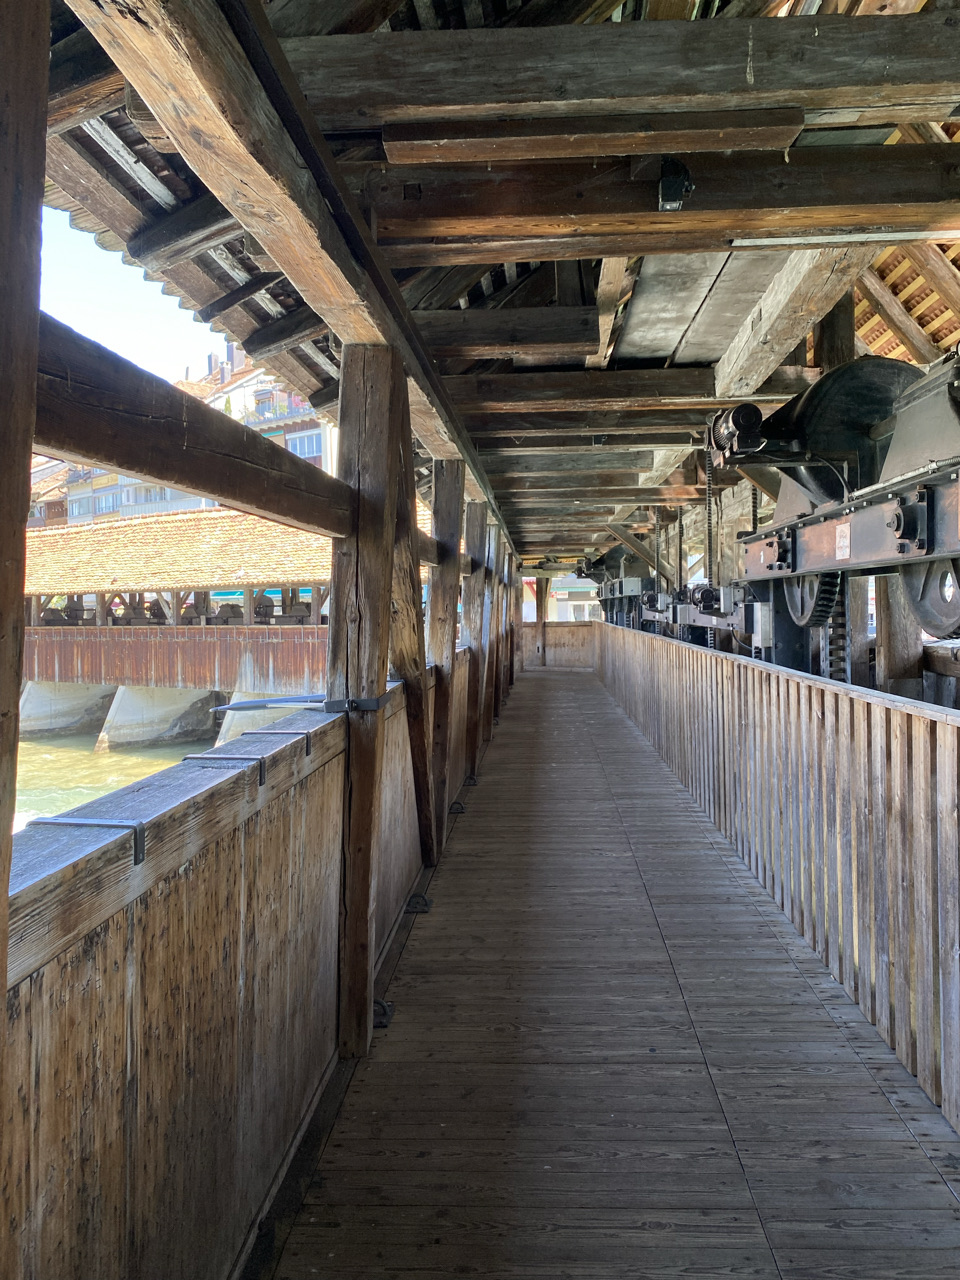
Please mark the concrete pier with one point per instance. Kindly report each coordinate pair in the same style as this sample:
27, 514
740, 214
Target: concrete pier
140, 716
47, 708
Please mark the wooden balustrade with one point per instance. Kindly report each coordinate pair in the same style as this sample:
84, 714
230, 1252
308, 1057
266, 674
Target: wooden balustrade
171, 1024
564, 644
844, 804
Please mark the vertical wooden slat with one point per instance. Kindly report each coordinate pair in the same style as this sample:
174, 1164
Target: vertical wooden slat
831, 938
491, 627
24, 60
807, 838
880, 786
922, 872
817, 800
372, 399
846, 851
862, 801
475, 540
899, 840
448, 477
948, 902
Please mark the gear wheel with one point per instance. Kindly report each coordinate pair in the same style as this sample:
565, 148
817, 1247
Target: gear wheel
811, 597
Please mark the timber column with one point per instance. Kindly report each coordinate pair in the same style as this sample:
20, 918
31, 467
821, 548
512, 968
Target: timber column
24, 62
372, 409
475, 535
448, 479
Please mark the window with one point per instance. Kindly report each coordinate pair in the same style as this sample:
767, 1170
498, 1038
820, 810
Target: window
105, 502
308, 444
80, 506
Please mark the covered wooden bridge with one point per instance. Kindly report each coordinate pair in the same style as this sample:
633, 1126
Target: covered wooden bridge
630, 949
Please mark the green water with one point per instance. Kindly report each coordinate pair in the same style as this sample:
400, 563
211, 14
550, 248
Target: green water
58, 773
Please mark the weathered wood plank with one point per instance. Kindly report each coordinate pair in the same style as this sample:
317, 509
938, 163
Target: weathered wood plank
92, 406
890, 309
475, 545
371, 417
455, 141
24, 53
407, 648
547, 334
442, 634
902, 67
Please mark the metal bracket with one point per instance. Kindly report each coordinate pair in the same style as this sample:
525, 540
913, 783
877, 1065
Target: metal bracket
382, 1014
457, 807
137, 829
228, 761
283, 733
418, 905
293, 702
357, 704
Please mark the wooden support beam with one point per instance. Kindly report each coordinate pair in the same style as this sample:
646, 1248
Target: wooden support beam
408, 660
329, 17
896, 316
491, 596
442, 631
371, 418
24, 59
580, 462
546, 334
634, 544
835, 336
92, 406
805, 288
256, 284
543, 595
614, 391
302, 324
83, 84
809, 193
192, 229
899, 641
806, 197
938, 271
614, 284
216, 79
475, 541
479, 141
904, 68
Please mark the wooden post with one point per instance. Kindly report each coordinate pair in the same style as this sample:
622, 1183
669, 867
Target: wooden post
518, 623
24, 59
511, 619
835, 336
491, 628
543, 595
475, 538
249, 600
372, 398
448, 477
408, 658
899, 641
857, 637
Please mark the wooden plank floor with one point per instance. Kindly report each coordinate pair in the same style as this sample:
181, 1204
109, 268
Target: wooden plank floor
612, 1056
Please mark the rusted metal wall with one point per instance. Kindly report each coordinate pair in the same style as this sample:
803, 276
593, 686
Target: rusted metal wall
279, 660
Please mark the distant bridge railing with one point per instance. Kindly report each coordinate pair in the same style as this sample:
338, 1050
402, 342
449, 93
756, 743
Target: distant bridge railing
844, 804
278, 659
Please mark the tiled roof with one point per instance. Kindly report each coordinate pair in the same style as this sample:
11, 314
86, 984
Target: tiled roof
205, 550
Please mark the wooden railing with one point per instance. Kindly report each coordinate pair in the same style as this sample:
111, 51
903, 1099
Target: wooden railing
559, 644
844, 804
171, 1022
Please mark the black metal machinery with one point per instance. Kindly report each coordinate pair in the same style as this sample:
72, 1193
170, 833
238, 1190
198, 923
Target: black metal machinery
868, 466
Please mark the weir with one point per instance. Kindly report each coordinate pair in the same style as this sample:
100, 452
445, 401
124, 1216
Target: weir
516, 948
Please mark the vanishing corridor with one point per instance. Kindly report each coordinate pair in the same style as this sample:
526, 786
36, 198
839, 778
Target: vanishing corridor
612, 1055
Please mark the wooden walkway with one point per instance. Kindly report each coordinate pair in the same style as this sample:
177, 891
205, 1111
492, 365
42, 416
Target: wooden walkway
613, 1057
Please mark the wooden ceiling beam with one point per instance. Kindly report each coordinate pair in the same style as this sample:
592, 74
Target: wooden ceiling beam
897, 318
572, 465
216, 79
480, 141
806, 287
84, 83
606, 390
938, 271
426, 214
904, 68
544, 333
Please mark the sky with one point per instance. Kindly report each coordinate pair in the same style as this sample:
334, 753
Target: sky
97, 294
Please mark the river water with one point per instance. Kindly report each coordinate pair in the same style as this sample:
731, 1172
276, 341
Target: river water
58, 773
